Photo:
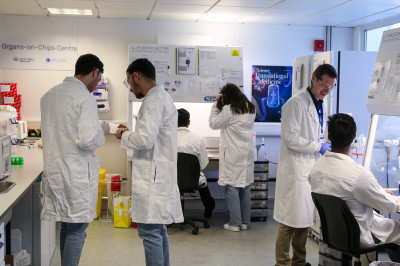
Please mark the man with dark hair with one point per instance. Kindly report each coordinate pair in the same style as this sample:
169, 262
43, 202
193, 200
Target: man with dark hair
155, 193
71, 132
336, 174
302, 140
193, 144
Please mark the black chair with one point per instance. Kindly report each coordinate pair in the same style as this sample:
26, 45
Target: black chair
188, 182
340, 229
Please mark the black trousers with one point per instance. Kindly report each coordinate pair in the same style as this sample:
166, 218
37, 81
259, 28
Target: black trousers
206, 198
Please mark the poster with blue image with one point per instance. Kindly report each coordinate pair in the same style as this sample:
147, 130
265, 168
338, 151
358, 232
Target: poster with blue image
271, 88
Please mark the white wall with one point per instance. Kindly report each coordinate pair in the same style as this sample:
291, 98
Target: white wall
109, 39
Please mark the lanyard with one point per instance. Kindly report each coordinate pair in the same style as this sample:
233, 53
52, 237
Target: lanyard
320, 117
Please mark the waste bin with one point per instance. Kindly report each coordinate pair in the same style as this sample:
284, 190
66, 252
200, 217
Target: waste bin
384, 263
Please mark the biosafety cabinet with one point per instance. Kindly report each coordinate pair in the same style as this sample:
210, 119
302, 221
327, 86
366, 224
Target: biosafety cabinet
382, 153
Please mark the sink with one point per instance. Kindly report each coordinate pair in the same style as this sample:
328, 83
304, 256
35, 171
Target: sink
5, 186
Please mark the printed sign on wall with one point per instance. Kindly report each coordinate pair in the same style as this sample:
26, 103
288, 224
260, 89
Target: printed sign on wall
35, 54
271, 88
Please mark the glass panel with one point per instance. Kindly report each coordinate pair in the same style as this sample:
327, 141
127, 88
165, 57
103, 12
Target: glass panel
385, 160
373, 37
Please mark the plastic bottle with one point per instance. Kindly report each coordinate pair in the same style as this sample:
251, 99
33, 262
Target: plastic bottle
262, 153
255, 146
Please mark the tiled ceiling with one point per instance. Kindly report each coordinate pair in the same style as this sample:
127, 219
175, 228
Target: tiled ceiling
340, 13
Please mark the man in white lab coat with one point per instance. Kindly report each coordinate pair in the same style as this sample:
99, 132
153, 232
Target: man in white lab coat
336, 174
71, 132
155, 193
302, 130
190, 143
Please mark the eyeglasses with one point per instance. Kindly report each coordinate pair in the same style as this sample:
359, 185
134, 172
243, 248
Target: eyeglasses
327, 86
126, 83
101, 81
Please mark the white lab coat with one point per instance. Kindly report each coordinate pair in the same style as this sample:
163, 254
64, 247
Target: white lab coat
236, 157
338, 175
300, 133
71, 131
192, 144
155, 193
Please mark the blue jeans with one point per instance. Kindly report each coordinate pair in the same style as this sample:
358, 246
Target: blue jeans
72, 238
239, 205
155, 242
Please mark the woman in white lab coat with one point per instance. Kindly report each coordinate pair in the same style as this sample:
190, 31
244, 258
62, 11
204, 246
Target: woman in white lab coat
234, 115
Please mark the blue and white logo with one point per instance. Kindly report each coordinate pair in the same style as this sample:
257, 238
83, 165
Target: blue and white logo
209, 98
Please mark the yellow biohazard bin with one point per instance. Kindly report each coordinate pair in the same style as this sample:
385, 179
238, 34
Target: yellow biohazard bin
102, 177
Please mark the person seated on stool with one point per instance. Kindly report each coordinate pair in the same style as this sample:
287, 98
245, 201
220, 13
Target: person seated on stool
190, 143
336, 174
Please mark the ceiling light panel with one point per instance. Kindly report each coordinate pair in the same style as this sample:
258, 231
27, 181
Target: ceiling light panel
70, 11
67, 4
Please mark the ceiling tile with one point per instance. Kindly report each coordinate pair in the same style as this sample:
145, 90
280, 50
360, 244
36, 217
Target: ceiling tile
22, 7
342, 13
248, 3
188, 2
124, 10
175, 16
252, 11
160, 8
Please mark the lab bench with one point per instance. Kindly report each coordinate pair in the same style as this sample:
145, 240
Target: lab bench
20, 206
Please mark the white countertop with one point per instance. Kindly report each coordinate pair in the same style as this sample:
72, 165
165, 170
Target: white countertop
23, 176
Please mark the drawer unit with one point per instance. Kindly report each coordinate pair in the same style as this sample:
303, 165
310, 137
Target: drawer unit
261, 166
259, 186
259, 213
259, 190
255, 204
258, 195
260, 176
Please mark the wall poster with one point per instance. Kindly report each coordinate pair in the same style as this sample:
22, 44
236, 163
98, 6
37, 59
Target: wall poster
271, 88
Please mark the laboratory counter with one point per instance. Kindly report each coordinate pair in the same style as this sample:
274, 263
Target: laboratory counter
20, 206
24, 177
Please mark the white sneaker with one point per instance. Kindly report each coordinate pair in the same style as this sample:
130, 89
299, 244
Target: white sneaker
243, 227
231, 228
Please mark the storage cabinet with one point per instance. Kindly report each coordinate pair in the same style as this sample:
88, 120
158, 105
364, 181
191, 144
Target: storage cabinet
259, 191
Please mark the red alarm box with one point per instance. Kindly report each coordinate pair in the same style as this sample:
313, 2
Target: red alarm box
319, 45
